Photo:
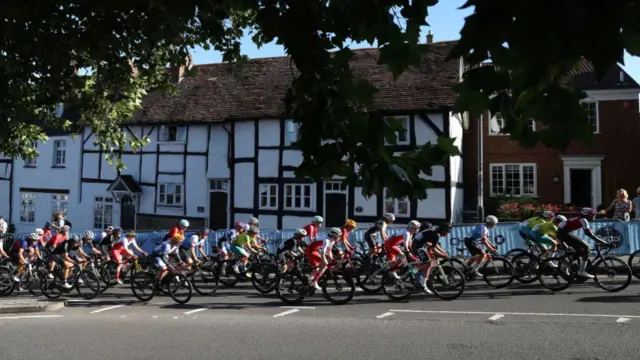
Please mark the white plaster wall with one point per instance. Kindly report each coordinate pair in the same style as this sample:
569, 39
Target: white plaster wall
368, 205
197, 138
294, 222
5, 190
243, 190
434, 205
269, 131
291, 158
267, 222
456, 131
196, 187
218, 152
244, 139
457, 204
268, 163
147, 200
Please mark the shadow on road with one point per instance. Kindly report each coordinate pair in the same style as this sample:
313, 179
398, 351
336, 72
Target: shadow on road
611, 299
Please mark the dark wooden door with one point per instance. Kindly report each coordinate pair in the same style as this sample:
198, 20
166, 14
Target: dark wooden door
581, 187
218, 201
127, 213
335, 205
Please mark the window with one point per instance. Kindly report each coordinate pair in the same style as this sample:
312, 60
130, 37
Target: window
513, 179
297, 197
268, 196
496, 124
27, 207
219, 185
173, 133
333, 186
170, 194
59, 152
102, 212
402, 137
59, 110
400, 207
59, 204
591, 107
291, 133
33, 161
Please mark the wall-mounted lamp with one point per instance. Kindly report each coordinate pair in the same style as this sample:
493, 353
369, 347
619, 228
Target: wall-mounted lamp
556, 179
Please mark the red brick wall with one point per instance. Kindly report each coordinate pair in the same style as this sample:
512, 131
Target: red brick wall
618, 142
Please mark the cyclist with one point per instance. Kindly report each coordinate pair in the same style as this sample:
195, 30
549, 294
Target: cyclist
565, 234
348, 227
223, 245
22, 248
240, 246
392, 245
178, 229
161, 254
424, 245
52, 244
188, 247
319, 254
108, 230
253, 221
87, 239
527, 225
42, 241
379, 228
106, 244
290, 248
65, 255
480, 235
121, 248
543, 235
312, 229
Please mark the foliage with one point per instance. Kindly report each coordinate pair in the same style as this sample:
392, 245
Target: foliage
526, 209
47, 46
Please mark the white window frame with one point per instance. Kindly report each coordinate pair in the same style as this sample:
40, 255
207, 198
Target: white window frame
405, 122
271, 193
292, 188
504, 179
59, 152
58, 199
219, 185
30, 198
32, 162
105, 203
394, 201
165, 132
161, 192
588, 103
291, 132
500, 120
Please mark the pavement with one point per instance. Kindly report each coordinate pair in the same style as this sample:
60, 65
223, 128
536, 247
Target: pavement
523, 321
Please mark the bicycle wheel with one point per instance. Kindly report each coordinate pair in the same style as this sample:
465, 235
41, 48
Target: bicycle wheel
525, 267
446, 282
33, 282
513, 252
204, 281
355, 268
457, 263
342, 284
7, 284
398, 289
105, 278
87, 284
291, 288
263, 278
497, 272
634, 263
51, 288
226, 274
554, 273
371, 280
143, 286
179, 288
611, 268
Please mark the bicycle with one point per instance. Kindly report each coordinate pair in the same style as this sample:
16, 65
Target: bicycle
53, 288
145, 286
30, 279
491, 265
203, 278
132, 265
252, 269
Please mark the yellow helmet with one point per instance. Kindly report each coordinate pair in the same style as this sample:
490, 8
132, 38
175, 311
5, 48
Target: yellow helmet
178, 237
350, 223
131, 233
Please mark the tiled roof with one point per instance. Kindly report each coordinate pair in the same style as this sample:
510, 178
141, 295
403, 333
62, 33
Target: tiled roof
216, 94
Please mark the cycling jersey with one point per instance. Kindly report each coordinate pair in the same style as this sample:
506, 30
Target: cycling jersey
65, 248
532, 222
479, 232
396, 240
430, 237
546, 228
377, 228
164, 250
123, 244
574, 224
108, 241
193, 241
22, 244
173, 232
291, 245
244, 240
56, 240
321, 246
312, 231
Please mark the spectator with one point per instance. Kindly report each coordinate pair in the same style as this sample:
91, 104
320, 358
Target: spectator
636, 204
621, 206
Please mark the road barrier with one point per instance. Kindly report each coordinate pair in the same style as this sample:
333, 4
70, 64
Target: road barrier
626, 232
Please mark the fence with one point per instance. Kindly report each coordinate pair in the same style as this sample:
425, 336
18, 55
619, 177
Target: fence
628, 232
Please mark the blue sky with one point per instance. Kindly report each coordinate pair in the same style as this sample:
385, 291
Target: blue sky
445, 22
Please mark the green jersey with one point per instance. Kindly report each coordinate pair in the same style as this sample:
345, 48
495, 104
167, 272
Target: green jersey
531, 223
546, 228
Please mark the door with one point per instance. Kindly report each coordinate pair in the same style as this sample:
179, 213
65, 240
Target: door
581, 189
335, 204
219, 204
127, 213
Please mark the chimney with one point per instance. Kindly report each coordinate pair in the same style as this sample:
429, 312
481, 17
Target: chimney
178, 72
429, 37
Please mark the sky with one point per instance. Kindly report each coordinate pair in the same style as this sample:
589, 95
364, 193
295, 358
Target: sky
445, 20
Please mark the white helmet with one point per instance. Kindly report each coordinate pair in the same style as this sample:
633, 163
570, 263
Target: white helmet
33, 236
253, 230
389, 217
301, 232
184, 223
253, 220
88, 235
39, 231
560, 218
65, 228
334, 232
317, 219
491, 220
246, 227
414, 224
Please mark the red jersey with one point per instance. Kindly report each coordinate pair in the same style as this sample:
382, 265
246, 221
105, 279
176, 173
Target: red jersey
397, 239
574, 224
345, 235
174, 231
56, 240
312, 231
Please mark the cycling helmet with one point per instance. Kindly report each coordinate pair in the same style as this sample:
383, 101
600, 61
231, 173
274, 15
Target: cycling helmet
205, 232
317, 219
39, 231
586, 211
253, 230
183, 223
560, 218
246, 227
109, 228
389, 217
414, 224
65, 228
334, 232
253, 220
131, 234
75, 239
350, 223
301, 232
88, 235
491, 220
445, 228
117, 230
548, 214
238, 225
33, 236
47, 225
178, 237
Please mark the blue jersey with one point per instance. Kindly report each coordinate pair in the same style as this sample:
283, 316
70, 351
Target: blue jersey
479, 232
192, 241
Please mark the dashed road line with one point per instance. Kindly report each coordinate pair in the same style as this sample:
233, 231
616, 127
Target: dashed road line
496, 317
381, 316
298, 307
106, 309
513, 313
284, 313
30, 317
622, 320
194, 311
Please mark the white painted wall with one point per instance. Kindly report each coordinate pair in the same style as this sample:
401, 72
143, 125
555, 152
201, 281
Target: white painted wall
434, 205
5, 190
269, 131
456, 130
457, 204
424, 135
218, 153
368, 205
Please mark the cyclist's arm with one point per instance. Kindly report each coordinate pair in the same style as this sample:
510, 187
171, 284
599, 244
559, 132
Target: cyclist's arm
82, 253
135, 245
21, 254
68, 258
487, 243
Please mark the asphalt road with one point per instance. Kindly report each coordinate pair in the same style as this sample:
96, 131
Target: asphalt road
583, 322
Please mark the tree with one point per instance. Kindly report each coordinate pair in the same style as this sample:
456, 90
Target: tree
105, 56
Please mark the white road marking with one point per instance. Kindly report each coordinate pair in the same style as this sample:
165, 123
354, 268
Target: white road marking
513, 313
175, 317
622, 320
77, 300
106, 309
298, 307
194, 311
384, 315
292, 311
155, 316
496, 317
30, 317
123, 316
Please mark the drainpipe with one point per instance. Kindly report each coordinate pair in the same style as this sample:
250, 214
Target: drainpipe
480, 169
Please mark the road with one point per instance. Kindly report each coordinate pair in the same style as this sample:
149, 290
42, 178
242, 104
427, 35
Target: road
521, 322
